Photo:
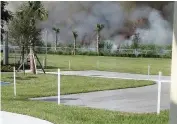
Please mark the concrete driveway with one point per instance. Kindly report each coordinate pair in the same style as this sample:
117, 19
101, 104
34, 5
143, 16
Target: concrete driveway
106, 74
139, 100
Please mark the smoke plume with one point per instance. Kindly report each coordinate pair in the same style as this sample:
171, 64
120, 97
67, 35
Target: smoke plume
83, 17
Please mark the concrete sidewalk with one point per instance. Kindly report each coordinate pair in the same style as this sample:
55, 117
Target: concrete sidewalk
13, 118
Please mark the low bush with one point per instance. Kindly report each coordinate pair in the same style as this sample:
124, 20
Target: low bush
149, 54
145, 50
6, 68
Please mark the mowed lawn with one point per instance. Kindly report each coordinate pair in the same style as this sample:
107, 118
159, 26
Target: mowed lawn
46, 85
104, 63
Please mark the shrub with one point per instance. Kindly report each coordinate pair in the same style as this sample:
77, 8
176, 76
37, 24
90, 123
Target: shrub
6, 68
146, 50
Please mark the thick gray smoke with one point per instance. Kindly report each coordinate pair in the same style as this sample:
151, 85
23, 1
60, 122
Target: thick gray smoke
159, 31
83, 17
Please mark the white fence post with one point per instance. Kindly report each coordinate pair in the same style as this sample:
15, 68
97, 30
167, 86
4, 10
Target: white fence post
159, 93
58, 86
98, 64
69, 65
14, 84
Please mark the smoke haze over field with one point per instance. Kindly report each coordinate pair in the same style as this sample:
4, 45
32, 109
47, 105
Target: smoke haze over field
83, 17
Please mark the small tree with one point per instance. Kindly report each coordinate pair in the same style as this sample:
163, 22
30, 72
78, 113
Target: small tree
75, 35
99, 28
57, 31
25, 25
136, 43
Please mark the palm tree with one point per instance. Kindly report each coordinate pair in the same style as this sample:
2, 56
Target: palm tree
57, 31
99, 28
75, 34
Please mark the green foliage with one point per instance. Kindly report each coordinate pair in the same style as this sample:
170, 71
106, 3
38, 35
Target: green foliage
6, 68
136, 41
6, 15
57, 30
105, 48
24, 24
75, 34
99, 27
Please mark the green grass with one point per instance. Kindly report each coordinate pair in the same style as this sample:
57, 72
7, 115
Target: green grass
46, 85
117, 64
106, 63
42, 85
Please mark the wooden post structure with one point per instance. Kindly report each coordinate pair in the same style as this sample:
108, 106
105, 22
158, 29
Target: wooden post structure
173, 89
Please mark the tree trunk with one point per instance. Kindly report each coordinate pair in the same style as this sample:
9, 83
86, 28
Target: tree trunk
32, 66
74, 46
56, 42
98, 40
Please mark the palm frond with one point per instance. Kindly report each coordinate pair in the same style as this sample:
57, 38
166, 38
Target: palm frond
57, 30
75, 34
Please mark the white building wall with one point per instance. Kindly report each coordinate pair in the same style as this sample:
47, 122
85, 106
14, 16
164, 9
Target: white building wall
173, 95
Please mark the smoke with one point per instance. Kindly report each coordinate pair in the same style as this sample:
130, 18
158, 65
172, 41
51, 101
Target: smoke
159, 31
83, 17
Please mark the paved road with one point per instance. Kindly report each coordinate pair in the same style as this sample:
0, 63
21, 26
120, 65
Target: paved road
140, 100
106, 74
13, 118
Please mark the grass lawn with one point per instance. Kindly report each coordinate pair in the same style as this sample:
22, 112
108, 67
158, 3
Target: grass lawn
42, 85
117, 64
105, 63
